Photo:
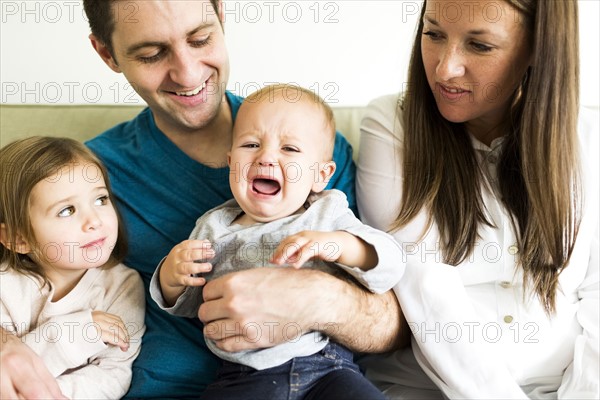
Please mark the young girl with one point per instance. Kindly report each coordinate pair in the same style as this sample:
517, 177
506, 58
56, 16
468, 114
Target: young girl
63, 290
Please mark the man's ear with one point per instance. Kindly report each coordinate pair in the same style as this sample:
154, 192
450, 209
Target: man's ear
221, 14
325, 173
104, 53
19, 246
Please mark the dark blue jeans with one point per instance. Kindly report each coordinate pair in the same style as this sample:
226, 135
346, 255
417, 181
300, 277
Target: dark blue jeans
328, 374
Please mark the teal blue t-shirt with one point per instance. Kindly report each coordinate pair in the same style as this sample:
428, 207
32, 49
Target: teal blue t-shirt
161, 192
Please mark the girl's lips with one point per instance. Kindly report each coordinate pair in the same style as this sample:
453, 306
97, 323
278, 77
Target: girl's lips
95, 243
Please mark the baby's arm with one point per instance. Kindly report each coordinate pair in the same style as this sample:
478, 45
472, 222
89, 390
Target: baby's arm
179, 269
338, 246
371, 256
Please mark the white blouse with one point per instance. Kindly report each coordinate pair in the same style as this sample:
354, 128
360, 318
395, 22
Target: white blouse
476, 332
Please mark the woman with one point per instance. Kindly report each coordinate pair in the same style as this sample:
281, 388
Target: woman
495, 172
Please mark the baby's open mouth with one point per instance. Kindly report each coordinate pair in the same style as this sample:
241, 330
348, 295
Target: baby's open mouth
266, 186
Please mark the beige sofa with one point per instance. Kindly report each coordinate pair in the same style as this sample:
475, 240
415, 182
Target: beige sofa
86, 121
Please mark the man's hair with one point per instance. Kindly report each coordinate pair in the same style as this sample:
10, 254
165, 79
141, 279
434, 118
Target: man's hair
101, 17
295, 94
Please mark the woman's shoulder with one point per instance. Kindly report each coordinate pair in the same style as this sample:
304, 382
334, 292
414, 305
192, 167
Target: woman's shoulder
382, 116
588, 128
588, 131
386, 106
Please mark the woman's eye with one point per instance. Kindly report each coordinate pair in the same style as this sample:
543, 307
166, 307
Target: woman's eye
66, 212
481, 47
432, 35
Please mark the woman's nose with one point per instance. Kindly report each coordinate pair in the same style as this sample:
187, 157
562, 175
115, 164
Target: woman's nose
451, 64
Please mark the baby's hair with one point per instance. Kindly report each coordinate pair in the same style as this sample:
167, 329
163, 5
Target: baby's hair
295, 94
24, 163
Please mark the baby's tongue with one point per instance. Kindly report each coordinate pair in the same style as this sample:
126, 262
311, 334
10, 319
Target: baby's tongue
266, 186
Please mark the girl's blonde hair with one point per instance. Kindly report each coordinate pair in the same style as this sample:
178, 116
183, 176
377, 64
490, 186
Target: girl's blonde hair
539, 177
23, 164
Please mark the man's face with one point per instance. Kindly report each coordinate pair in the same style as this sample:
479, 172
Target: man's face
173, 53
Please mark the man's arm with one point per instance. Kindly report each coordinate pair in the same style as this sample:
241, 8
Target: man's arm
263, 307
23, 374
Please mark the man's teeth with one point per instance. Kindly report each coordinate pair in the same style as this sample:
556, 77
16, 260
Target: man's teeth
192, 92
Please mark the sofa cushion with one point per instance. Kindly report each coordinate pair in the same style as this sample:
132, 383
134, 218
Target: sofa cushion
82, 122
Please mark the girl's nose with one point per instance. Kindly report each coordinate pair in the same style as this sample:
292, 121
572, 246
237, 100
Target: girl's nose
92, 221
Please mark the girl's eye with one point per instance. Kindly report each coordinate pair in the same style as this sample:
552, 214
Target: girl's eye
101, 201
250, 145
66, 212
290, 148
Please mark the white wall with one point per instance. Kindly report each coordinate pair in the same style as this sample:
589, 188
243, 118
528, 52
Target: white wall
349, 51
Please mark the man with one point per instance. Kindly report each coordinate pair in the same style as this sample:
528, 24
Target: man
168, 167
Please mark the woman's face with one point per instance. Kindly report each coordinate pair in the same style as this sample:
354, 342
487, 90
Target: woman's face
475, 55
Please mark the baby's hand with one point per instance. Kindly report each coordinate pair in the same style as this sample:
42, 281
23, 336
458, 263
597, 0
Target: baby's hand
180, 269
301, 247
112, 329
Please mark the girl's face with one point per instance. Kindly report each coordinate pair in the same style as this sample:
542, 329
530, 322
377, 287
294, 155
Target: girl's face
74, 222
475, 55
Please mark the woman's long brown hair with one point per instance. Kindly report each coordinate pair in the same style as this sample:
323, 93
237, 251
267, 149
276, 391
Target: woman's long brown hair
538, 173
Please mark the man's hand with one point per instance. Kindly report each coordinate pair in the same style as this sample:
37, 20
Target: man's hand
23, 374
257, 308
180, 269
263, 307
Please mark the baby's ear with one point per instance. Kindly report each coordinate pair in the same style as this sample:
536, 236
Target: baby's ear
326, 171
19, 246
